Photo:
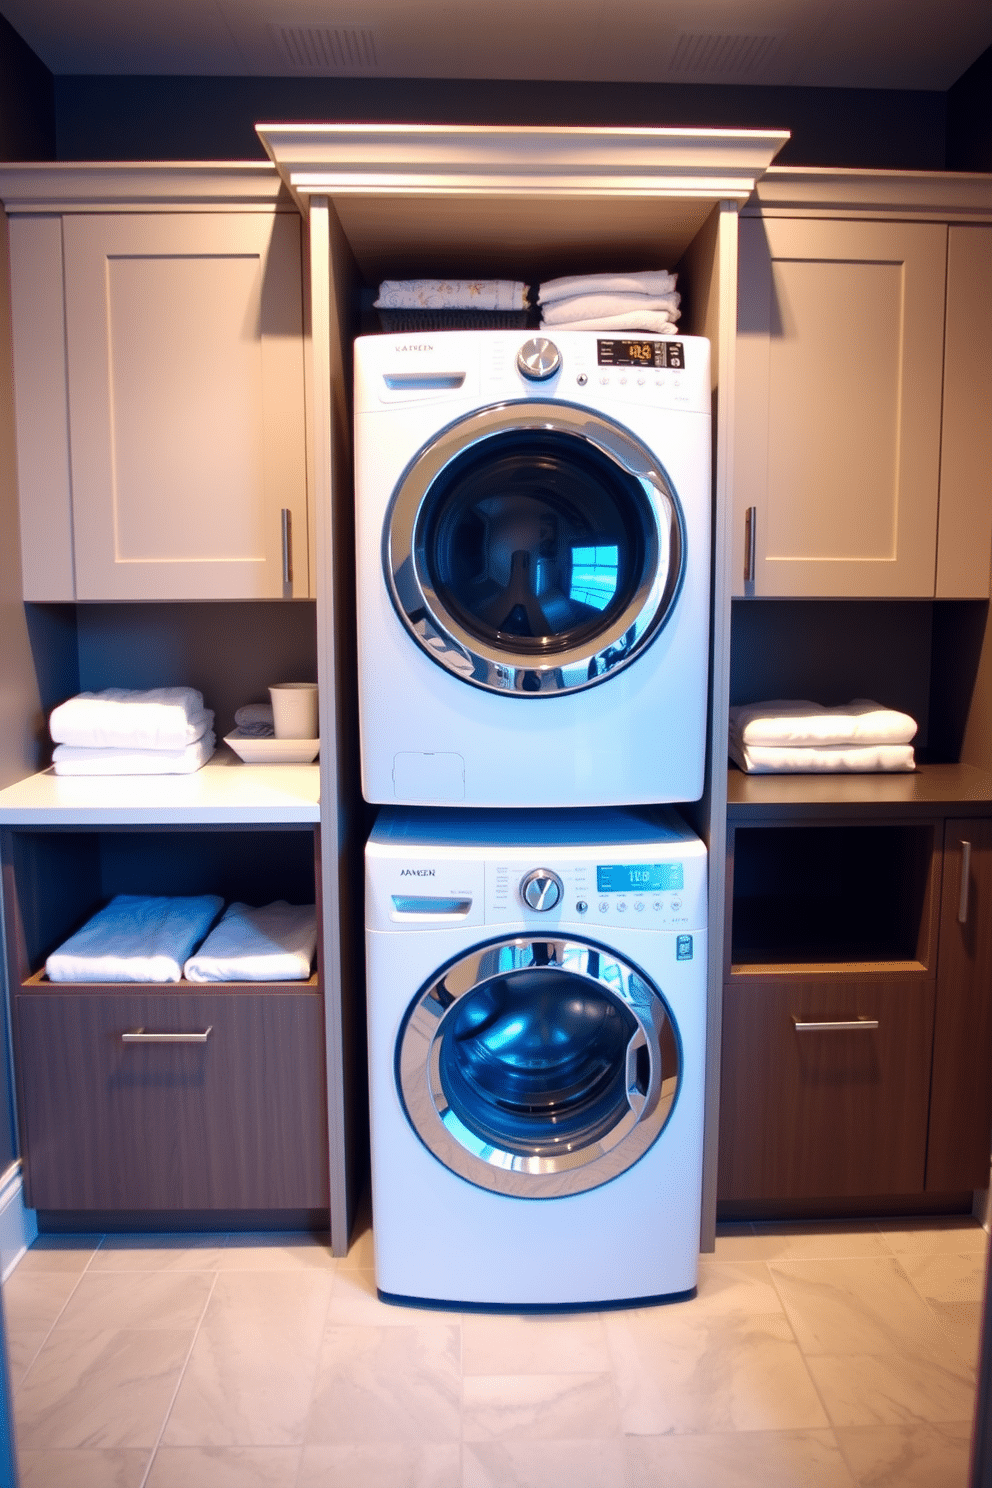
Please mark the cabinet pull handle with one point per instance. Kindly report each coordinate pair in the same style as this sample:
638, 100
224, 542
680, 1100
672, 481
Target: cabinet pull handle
142, 1036
842, 1025
965, 882
750, 543
287, 545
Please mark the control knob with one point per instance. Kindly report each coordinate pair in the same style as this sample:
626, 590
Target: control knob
541, 889
538, 359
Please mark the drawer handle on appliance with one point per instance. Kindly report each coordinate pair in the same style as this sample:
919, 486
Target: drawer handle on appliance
287, 545
142, 1036
965, 880
842, 1025
750, 543
428, 381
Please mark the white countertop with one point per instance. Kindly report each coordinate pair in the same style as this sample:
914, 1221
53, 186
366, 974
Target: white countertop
224, 790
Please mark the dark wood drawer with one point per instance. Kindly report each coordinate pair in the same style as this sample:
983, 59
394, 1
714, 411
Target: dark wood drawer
828, 1113
237, 1121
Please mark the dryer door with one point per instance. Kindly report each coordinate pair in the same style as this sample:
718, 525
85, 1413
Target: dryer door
539, 1068
534, 548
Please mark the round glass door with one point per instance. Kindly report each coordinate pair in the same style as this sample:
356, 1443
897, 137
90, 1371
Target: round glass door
539, 1068
534, 548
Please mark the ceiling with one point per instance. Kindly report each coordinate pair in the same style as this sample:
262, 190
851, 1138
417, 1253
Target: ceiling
924, 44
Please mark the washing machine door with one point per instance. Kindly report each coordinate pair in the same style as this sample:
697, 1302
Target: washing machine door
539, 1068
534, 548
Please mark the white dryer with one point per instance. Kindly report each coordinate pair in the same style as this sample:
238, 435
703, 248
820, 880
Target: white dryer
533, 542
537, 1016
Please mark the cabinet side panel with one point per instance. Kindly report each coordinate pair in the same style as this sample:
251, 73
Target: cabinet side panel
964, 547
961, 1087
40, 398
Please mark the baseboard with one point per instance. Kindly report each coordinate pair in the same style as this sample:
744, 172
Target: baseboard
18, 1226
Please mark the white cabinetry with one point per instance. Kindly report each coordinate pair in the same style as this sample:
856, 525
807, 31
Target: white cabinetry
159, 383
842, 383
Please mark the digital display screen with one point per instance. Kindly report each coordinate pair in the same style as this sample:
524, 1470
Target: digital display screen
644, 878
641, 354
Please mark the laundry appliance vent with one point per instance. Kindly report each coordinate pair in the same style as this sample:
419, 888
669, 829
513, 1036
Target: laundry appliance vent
344, 50
718, 55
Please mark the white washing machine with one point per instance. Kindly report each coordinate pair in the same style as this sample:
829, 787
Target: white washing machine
537, 1016
533, 536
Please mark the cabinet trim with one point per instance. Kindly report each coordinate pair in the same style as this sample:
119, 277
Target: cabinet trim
31, 188
935, 196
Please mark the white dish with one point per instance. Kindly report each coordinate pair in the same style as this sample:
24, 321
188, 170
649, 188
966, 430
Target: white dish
272, 751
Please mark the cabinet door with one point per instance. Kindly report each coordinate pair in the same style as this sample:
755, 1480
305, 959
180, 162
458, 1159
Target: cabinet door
824, 1112
837, 428
186, 405
961, 1089
236, 1122
964, 545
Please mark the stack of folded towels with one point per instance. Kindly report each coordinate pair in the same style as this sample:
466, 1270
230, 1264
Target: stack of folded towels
646, 301
145, 938
162, 731
804, 736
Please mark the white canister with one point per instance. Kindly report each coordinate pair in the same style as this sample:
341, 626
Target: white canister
294, 710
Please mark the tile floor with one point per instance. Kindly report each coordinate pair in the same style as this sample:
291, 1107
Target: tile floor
811, 1358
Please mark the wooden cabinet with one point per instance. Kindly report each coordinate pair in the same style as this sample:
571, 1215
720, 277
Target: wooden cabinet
857, 1015
841, 487
233, 1119
159, 380
168, 1098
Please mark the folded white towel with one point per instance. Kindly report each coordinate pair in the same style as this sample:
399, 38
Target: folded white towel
70, 759
765, 759
800, 722
648, 282
135, 938
451, 294
158, 718
655, 321
272, 944
590, 307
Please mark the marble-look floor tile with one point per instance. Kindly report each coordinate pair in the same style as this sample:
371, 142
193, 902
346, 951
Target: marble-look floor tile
23, 1347
513, 1343
727, 1361
953, 1287
224, 1467
34, 1300
270, 1251
137, 1299
545, 1464
908, 1456
59, 1253
82, 1468
859, 1307
178, 1252
355, 1303
377, 1385
251, 1371
386, 1465
787, 1241
889, 1389
956, 1233
538, 1407
108, 1389
775, 1459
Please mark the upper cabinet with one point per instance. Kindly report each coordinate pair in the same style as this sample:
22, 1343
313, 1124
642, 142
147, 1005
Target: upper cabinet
862, 408
160, 399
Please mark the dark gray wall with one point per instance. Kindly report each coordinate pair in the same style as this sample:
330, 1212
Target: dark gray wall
160, 118
27, 101
969, 118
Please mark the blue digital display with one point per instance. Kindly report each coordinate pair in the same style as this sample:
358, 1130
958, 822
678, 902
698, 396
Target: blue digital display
644, 878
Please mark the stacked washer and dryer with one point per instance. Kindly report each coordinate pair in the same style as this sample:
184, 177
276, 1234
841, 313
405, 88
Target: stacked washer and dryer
533, 543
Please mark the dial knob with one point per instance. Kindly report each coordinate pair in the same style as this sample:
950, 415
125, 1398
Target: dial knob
538, 359
541, 889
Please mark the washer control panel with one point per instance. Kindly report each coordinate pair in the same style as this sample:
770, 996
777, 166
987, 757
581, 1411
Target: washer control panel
541, 889
646, 895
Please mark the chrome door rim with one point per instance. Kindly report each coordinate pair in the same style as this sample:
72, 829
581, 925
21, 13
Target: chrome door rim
418, 1073
440, 634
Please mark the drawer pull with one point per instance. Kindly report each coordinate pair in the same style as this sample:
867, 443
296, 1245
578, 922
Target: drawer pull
965, 881
142, 1036
842, 1025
